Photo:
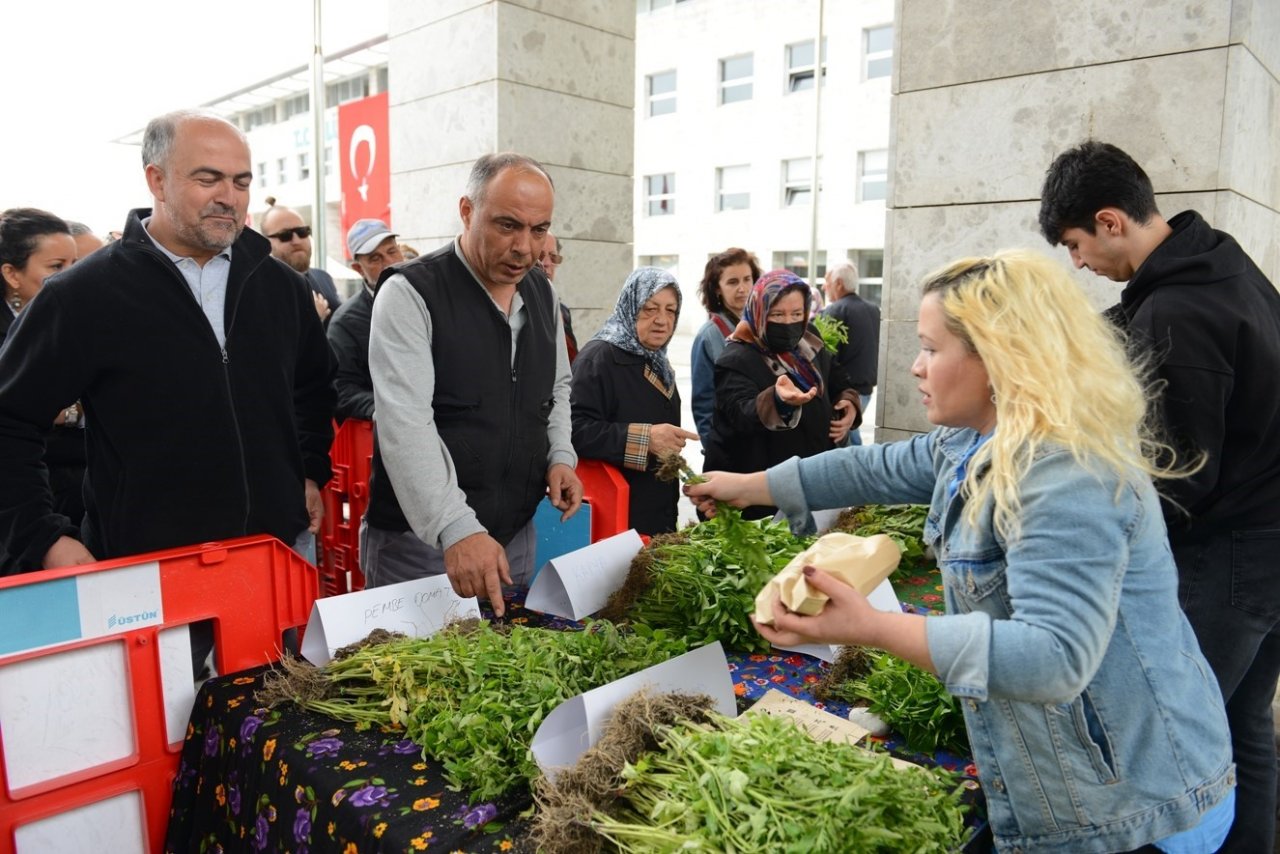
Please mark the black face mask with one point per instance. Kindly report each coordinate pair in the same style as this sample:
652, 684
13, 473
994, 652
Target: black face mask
783, 337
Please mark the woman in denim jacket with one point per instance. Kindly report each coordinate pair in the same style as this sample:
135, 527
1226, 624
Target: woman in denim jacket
1096, 724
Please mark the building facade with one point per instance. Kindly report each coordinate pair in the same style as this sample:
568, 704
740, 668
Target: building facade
725, 104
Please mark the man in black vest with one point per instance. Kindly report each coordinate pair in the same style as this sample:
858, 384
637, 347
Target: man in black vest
471, 396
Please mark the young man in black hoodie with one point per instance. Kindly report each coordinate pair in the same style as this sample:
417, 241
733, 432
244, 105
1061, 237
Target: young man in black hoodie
1208, 322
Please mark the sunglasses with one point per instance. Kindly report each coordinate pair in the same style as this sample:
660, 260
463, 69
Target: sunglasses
287, 234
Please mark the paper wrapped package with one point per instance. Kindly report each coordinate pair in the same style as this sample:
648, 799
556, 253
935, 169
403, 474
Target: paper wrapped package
860, 562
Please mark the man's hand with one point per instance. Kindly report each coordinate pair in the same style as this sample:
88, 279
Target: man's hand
67, 551
840, 425
666, 438
787, 392
315, 505
477, 566
322, 305
564, 489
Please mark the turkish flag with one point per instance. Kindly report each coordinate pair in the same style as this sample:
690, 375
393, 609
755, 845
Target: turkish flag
364, 158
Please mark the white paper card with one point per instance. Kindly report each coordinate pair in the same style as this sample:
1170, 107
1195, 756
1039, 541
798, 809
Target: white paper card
577, 723
48, 726
823, 520
417, 608
580, 582
116, 824
882, 599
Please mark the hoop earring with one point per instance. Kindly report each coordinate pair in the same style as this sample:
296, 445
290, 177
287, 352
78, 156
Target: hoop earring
993, 398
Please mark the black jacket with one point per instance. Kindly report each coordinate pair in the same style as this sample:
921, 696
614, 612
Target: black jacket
1211, 321
187, 441
609, 394
349, 337
746, 432
860, 355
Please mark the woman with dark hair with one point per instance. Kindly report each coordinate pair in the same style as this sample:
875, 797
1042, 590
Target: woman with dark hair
626, 410
35, 244
726, 283
779, 394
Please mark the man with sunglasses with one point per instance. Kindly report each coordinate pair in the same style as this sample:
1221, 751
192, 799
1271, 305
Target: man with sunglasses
291, 242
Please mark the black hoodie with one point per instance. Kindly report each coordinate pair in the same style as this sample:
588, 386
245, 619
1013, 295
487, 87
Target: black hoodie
187, 441
1212, 322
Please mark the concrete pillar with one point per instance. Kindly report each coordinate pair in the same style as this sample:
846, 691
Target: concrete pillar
552, 79
987, 92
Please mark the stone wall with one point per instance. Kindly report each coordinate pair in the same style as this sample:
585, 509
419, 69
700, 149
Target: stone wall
987, 92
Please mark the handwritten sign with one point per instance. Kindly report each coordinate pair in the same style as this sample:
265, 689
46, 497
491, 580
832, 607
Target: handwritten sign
580, 582
577, 723
417, 608
820, 725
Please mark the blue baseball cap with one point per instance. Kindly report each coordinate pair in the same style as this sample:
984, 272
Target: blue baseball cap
365, 235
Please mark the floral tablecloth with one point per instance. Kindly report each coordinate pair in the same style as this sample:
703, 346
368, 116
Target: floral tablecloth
289, 780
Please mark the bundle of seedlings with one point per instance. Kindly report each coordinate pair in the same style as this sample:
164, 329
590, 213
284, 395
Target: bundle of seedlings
472, 695
832, 330
703, 580
913, 702
903, 523
663, 778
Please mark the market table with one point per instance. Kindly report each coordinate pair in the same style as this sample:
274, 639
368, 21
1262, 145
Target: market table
288, 779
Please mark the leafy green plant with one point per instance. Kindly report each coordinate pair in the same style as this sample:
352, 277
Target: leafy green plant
760, 783
903, 523
473, 696
832, 330
913, 702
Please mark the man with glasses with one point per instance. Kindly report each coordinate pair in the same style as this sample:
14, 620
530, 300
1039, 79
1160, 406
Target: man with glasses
550, 261
373, 248
291, 243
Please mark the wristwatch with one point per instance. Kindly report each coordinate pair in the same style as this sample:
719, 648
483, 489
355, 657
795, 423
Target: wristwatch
70, 416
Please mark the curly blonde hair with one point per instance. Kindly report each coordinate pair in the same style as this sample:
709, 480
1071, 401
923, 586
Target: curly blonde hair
1059, 373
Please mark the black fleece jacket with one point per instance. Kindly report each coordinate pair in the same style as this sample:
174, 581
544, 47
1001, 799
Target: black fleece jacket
1211, 321
187, 441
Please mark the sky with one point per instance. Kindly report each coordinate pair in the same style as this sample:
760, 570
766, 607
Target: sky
79, 74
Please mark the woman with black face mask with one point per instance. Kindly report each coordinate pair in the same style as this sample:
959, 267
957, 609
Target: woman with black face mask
778, 392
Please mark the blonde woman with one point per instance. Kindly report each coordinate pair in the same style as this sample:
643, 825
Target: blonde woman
1095, 723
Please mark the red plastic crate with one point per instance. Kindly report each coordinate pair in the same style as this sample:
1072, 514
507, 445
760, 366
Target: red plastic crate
252, 588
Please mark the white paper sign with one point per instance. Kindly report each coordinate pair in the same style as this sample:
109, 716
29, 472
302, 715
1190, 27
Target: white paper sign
823, 520
416, 608
882, 599
580, 582
577, 723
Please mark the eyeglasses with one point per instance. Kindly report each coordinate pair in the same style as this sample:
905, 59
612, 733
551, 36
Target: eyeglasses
284, 235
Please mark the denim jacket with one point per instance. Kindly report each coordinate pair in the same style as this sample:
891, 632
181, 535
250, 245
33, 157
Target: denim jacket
1095, 722
707, 347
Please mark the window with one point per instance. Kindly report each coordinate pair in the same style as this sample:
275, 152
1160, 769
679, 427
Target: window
282, 174
732, 190
262, 174
735, 78
259, 117
350, 89
660, 194
873, 175
304, 165
797, 182
800, 65
661, 91
384, 79
797, 261
297, 105
328, 159
655, 5
662, 262
877, 52
870, 264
